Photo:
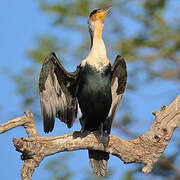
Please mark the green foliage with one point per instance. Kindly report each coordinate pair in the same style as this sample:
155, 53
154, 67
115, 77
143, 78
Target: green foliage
88, 175
45, 45
59, 168
126, 120
27, 87
140, 30
154, 6
129, 176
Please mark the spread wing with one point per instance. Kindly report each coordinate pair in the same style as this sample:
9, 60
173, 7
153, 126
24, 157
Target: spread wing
57, 89
118, 85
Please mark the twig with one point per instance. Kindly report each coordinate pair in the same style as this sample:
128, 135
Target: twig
145, 149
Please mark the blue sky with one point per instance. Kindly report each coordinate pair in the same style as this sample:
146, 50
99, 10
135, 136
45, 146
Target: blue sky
19, 24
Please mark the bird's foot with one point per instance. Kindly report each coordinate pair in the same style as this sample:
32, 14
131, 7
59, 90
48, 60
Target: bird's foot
82, 130
104, 138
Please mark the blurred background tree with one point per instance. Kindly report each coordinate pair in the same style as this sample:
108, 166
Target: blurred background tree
146, 33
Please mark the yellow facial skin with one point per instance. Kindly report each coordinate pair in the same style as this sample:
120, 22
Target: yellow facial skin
98, 18
102, 14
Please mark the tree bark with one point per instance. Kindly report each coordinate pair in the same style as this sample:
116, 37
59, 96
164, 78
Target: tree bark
145, 149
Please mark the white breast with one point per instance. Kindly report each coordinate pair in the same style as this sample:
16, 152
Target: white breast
97, 56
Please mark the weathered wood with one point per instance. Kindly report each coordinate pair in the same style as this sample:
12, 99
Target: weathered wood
25, 121
146, 149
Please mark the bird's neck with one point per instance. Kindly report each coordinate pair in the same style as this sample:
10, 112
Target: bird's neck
97, 35
98, 48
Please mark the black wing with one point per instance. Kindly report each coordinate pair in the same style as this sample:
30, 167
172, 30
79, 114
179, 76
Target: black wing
58, 90
118, 85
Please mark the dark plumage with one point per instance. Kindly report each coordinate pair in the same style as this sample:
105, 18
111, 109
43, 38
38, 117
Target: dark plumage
58, 93
93, 12
96, 86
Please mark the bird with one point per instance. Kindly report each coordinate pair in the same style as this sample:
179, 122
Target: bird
93, 91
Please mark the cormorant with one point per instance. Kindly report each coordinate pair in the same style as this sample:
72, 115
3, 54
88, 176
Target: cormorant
96, 87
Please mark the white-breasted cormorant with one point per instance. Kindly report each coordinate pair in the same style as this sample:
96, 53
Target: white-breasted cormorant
96, 86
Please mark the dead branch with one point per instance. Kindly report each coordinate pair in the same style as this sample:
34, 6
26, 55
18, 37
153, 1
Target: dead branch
146, 149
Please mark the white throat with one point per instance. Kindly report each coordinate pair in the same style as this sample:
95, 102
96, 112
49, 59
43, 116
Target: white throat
97, 56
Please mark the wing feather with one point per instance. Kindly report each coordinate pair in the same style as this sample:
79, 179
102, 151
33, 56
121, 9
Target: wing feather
118, 85
57, 89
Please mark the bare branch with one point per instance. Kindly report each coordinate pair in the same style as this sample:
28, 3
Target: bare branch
25, 121
146, 149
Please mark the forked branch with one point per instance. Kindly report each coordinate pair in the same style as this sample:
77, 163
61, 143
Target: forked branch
146, 149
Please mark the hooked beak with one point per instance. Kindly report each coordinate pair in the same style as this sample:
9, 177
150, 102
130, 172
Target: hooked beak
102, 14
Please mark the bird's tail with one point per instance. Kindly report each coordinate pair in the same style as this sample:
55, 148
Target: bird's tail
98, 161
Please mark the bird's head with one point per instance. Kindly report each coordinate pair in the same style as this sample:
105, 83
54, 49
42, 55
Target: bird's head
98, 15
96, 18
